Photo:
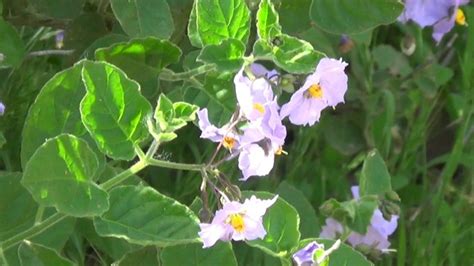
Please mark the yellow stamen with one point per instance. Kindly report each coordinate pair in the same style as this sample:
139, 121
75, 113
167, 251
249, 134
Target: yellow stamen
460, 18
280, 151
228, 142
237, 222
259, 107
315, 91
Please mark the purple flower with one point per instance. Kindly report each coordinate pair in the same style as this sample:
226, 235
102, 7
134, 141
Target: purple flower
441, 14
229, 139
2, 108
260, 142
260, 71
325, 87
332, 229
237, 221
305, 256
377, 232
59, 38
252, 95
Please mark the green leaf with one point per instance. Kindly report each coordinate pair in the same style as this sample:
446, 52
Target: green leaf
354, 213
342, 134
354, 16
143, 216
268, 25
194, 254
61, 174
104, 42
344, 255
383, 121
56, 111
193, 33
164, 112
291, 9
142, 60
218, 20
3, 141
32, 254
227, 56
83, 31
262, 49
295, 55
185, 111
53, 237
17, 207
65, 9
281, 221
143, 257
143, 18
113, 110
12, 48
113, 247
374, 178
364, 210
309, 222
217, 94
387, 58
171, 117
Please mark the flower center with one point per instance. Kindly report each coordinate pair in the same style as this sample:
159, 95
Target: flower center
315, 91
280, 151
237, 222
460, 18
228, 142
259, 107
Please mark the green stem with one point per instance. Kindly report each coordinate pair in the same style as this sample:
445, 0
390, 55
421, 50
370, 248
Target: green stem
173, 165
39, 215
169, 75
32, 231
137, 167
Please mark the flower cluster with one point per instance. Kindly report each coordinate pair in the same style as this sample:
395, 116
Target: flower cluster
377, 232
440, 14
2, 108
237, 221
263, 134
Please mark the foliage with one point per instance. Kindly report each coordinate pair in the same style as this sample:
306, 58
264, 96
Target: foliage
102, 156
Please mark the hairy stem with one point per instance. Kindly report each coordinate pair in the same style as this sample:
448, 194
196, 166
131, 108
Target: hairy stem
137, 167
173, 165
169, 75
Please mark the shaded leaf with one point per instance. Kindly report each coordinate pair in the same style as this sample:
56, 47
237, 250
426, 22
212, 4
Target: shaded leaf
143, 216
141, 59
56, 111
374, 178
281, 221
309, 221
17, 207
68, 181
354, 16
143, 18
194, 254
32, 254
64, 9
12, 48
143, 257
